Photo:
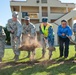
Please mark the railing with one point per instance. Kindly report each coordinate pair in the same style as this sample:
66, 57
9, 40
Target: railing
62, 15
56, 24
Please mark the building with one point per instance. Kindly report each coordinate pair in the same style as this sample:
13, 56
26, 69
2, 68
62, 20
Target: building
54, 10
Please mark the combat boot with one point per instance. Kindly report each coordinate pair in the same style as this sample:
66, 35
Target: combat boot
43, 53
50, 55
16, 57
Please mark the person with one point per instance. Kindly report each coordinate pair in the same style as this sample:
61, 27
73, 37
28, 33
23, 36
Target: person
15, 28
64, 33
2, 42
47, 37
74, 30
29, 30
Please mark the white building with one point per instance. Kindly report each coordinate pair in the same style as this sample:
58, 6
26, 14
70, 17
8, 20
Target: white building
54, 10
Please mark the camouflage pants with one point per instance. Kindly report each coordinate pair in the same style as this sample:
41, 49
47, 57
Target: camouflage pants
43, 43
2, 47
15, 45
44, 47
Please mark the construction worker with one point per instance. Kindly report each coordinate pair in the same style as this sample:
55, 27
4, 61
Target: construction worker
74, 30
64, 33
47, 37
15, 28
2, 43
29, 30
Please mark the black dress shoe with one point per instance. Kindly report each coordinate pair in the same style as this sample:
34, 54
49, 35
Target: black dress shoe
65, 56
60, 56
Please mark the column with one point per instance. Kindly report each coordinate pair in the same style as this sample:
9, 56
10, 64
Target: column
66, 7
40, 14
20, 14
49, 14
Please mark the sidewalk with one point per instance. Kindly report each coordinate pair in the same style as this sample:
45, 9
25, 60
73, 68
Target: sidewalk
8, 47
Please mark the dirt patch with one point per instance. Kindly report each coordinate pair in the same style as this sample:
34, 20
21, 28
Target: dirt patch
42, 63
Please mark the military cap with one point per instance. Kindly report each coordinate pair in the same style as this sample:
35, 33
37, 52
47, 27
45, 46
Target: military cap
15, 14
44, 20
27, 18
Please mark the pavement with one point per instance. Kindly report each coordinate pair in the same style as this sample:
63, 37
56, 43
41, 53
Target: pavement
8, 47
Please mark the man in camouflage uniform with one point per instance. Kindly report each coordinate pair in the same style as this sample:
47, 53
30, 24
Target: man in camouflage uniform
74, 30
15, 28
47, 37
29, 30
2, 43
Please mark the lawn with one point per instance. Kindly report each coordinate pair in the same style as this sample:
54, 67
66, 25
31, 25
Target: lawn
42, 67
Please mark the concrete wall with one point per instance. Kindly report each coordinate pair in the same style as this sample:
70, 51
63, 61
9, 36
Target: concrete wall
55, 15
54, 6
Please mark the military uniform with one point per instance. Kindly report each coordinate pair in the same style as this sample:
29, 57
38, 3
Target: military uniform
2, 42
74, 30
17, 28
28, 30
47, 34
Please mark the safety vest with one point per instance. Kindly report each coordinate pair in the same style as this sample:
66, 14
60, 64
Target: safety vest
45, 31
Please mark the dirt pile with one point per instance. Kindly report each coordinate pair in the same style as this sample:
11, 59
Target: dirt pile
30, 44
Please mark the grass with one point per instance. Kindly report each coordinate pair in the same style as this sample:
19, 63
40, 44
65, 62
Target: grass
59, 68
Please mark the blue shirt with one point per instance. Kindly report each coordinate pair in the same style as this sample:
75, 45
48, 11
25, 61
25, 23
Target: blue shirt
67, 31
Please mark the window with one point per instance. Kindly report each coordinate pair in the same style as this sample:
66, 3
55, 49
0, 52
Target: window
43, 1
24, 14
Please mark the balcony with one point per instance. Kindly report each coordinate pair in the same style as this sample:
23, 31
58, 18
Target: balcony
30, 9
33, 15
58, 9
44, 14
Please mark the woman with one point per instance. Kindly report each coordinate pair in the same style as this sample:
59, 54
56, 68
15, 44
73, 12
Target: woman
64, 33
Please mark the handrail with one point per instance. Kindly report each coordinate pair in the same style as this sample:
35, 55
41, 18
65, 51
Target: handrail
56, 24
62, 15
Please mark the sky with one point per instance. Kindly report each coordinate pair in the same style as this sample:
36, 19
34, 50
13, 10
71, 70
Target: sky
5, 12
